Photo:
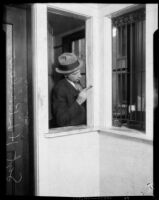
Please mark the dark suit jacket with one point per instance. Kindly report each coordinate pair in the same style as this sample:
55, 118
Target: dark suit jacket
66, 111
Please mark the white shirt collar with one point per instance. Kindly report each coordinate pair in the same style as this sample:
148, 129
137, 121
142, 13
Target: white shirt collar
71, 82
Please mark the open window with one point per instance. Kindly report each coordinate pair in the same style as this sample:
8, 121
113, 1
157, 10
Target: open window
66, 33
128, 72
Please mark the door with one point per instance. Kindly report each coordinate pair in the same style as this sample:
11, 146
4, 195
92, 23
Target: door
17, 123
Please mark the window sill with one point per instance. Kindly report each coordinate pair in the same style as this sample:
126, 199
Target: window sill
116, 132
70, 130
127, 134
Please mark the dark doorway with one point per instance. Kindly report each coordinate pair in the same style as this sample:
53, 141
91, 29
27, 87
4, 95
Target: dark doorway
19, 116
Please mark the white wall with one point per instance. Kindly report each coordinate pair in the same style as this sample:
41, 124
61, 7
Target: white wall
126, 166
95, 164
69, 165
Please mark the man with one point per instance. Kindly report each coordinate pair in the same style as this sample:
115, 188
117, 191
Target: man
68, 96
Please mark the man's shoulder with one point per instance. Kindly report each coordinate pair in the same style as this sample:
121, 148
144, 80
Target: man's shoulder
61, 84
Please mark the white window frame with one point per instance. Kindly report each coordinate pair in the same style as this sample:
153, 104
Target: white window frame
40, 71
99, 63
151, 27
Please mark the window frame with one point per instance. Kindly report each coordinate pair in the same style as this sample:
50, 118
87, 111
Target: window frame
151, 26
40, 72
98, 32
137, 121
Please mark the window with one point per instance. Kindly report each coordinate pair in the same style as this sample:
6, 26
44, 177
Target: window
128, 71
65, 34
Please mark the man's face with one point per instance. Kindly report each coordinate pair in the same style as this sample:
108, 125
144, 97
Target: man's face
75, 76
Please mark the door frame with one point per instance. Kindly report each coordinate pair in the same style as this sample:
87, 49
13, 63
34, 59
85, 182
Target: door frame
10, 13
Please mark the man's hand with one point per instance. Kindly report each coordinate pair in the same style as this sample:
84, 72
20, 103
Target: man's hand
83, 95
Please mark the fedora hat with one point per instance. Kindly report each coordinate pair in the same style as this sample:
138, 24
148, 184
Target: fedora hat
68, 63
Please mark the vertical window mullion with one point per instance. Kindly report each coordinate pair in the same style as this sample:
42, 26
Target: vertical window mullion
139, 73
126, 68
141, 28
143, 54
121, 50
131, 72
142, 72
116, 73
137, 58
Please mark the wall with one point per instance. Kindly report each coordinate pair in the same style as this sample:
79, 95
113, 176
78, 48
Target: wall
69, 165
126, 166
95, 164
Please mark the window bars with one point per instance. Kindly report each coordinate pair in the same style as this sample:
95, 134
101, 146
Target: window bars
128, 71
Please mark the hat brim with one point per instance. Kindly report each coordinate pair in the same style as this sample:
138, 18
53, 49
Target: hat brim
70, 71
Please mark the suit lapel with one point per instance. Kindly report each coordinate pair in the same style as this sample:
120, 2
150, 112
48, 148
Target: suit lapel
70, 87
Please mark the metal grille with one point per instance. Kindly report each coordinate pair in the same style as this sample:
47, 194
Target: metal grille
128, 70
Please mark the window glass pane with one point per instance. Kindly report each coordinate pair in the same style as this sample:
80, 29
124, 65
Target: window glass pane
128, 71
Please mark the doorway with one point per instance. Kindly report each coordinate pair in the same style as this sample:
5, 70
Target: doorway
19, 116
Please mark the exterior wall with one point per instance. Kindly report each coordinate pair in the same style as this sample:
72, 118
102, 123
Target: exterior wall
95, 164
69, 165
126, 166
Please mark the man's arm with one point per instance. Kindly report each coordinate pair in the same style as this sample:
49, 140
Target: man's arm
83, 95
64, 114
